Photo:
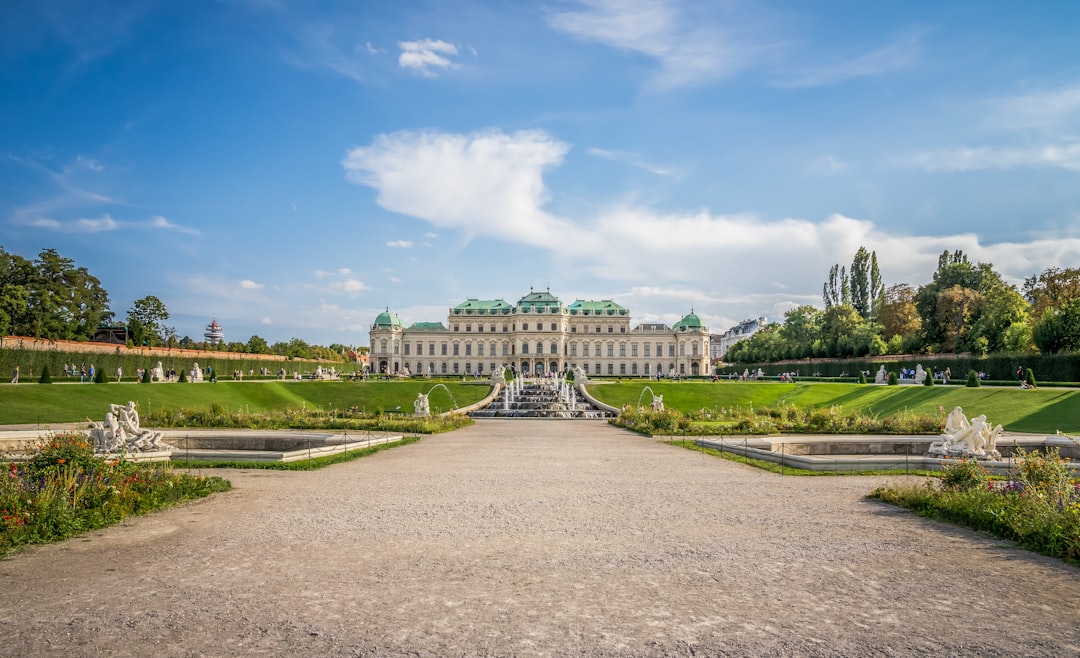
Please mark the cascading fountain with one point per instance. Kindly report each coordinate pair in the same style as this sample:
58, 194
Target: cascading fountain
521, 398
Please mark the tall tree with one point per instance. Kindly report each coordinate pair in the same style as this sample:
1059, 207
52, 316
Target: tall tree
145, 321
877, 287
860, 282
898, 314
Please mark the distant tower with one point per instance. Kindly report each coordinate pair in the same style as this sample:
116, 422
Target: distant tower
214, 335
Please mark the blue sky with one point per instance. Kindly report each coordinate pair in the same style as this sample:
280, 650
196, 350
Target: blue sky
293, 168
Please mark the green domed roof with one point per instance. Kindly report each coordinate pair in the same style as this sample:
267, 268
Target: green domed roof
688, 323
387, 319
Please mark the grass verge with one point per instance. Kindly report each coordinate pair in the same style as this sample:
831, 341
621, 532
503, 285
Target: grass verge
777, 468
303, 465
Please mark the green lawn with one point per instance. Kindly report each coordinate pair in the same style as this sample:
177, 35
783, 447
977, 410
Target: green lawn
1039, 410
65, 403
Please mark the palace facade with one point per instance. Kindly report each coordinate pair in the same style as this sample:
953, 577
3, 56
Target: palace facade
539, 334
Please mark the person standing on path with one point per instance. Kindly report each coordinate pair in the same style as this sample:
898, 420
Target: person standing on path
15, 375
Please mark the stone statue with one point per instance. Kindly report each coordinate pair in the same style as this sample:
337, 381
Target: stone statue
158, 373
120, 433
196, 372
920, 374
962, 438
657, 403
881, 377
420, 406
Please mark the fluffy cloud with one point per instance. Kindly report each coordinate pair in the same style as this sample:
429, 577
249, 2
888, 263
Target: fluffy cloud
403, 244
426, 56
491, 185
248, 284
487, 183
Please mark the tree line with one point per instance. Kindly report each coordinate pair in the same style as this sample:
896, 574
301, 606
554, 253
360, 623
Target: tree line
966, 308
51, 298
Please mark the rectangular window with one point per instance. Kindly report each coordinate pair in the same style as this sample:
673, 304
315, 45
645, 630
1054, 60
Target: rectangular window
598, 370
671, 349
444, 349
457, 349
659, 349
622, 368
586, 368
622, 349
468, 327
611, 368
468, 351
456, 370
647, 349
682, 349
468, 368
407, 347
573, 349
633, 349
584, 349
610, 329
479, 349
431, 349
506, 348
610, 350
633, 368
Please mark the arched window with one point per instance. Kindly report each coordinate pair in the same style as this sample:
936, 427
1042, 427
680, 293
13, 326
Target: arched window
539, 347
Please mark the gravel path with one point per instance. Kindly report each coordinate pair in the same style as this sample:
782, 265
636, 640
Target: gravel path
537, 538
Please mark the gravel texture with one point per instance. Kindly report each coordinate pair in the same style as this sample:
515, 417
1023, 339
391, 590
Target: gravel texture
518, 537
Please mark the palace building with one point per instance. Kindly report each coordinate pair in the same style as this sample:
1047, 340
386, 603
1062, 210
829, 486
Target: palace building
539, 334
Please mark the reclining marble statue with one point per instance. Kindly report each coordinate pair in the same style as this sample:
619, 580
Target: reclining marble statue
962, 438
120, 432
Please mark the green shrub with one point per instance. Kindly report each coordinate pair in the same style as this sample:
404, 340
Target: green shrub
862, 377
183, 376
60, 451
45, 377
929, 380
973, 379
1029, 377
893, 380
99, 376
1044, 475
963, 475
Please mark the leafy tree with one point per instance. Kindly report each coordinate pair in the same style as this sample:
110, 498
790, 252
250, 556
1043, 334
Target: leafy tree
861, 295
257, 345
841, 333
802, 327
1059, 331
145, 320
1052, 290
898, 314
955, 306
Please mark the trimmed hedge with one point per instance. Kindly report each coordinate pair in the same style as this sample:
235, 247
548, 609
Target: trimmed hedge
1047, 367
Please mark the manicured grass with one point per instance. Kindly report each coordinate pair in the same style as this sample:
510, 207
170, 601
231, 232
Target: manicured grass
67, 403
779, 468
302, 465
1039, 410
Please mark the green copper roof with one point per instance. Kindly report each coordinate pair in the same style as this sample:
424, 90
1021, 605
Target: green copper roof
689, 322
387, 319
426, 326
593, 307
539, 302
482, 307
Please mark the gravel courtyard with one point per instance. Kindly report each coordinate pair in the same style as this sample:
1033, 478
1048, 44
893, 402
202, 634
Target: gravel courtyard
522, 538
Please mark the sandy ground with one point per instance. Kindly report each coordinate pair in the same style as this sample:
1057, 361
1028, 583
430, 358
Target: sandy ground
537, 538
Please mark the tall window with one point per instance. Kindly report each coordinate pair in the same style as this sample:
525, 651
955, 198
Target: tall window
456, 349
622, 349
479, 349
444, 351
407, 346
431, 349
671, 349
611, 350
468, 351
554, 349
646, 349
524, 348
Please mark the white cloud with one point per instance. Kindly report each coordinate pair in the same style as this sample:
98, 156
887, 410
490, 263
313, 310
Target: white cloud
404, 244
889, 58
266, 320
632, 159
431, 235
163, 223
690, 49
1063, 156
487, 183
827, 165
491, 185
1048, 110
426, 55
248, 284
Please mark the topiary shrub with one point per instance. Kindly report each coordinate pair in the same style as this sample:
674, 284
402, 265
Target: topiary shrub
862, 377
973, 379
145, 376
45, 378
893, 380
99, 376
183, 376
1029, 377
929, 380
